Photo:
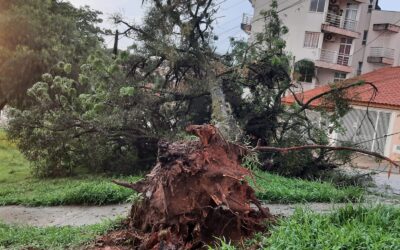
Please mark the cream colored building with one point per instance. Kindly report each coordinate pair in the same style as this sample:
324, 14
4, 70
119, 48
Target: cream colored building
344, 38
3, 117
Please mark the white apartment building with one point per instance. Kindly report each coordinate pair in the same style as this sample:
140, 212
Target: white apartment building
344, 38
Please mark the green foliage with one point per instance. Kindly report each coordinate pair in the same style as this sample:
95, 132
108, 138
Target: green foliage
98, 191
109, 113
126, 91
256, 91
222, 245
274, 188
67, 237
34, 36
252, 162
97, 124
67, 191
305, 70
136, 197
20, 188
13, 166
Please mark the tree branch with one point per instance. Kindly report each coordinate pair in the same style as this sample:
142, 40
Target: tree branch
260, 148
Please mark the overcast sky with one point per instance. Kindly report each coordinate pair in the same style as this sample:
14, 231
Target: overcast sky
228, 25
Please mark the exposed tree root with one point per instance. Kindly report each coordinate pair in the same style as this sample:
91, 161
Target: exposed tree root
197, 191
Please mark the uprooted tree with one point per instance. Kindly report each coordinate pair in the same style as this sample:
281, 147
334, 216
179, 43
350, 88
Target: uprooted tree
197, 191
111, 116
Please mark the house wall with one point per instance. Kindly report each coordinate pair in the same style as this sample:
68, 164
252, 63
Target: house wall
394, 127
324, 76
358, 53
298, 19
395, 139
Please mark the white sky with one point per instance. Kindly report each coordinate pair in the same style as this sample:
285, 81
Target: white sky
228, 25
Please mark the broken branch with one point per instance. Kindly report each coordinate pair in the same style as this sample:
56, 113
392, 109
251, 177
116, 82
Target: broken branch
260, 148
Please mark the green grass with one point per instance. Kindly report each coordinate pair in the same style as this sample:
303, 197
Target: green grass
100, 191
277, 189
19, 187
85, 191
13, 166
350, 227
68, 237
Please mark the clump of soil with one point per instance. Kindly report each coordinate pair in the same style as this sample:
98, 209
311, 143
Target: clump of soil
197, 191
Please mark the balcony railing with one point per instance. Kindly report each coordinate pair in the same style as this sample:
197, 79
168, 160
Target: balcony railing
341, 22
246, 23
381, 52
334, 57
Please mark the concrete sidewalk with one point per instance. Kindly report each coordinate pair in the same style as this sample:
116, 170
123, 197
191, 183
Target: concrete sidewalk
61, 215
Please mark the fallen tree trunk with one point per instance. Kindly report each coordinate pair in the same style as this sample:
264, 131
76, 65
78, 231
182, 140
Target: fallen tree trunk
197, 191
260, 148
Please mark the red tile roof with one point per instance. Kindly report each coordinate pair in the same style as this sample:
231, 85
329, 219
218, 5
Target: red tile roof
386, 80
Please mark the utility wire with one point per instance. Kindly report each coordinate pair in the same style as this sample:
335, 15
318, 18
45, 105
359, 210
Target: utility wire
234, 5
253, 21
263, 17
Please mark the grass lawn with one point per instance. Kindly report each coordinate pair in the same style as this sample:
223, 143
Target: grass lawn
277, 189
348, 228
26, 237
19, 187
68, 191
13, 166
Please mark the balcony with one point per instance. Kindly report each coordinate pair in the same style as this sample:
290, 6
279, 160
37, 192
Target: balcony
386, 27
246, 23
381, 55
334, 60
340, 25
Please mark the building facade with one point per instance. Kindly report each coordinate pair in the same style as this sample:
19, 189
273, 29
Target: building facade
343, 38
374, 120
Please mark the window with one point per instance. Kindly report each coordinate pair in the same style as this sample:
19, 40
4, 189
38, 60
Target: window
317, 5
370, 8
306, 78
338, 77
311, 39
365, 36
359, 70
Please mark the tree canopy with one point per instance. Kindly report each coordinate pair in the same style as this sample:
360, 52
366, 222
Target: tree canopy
34, 36
109, 114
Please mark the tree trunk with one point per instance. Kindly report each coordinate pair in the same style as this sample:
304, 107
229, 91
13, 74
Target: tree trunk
221, 112
2, 103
